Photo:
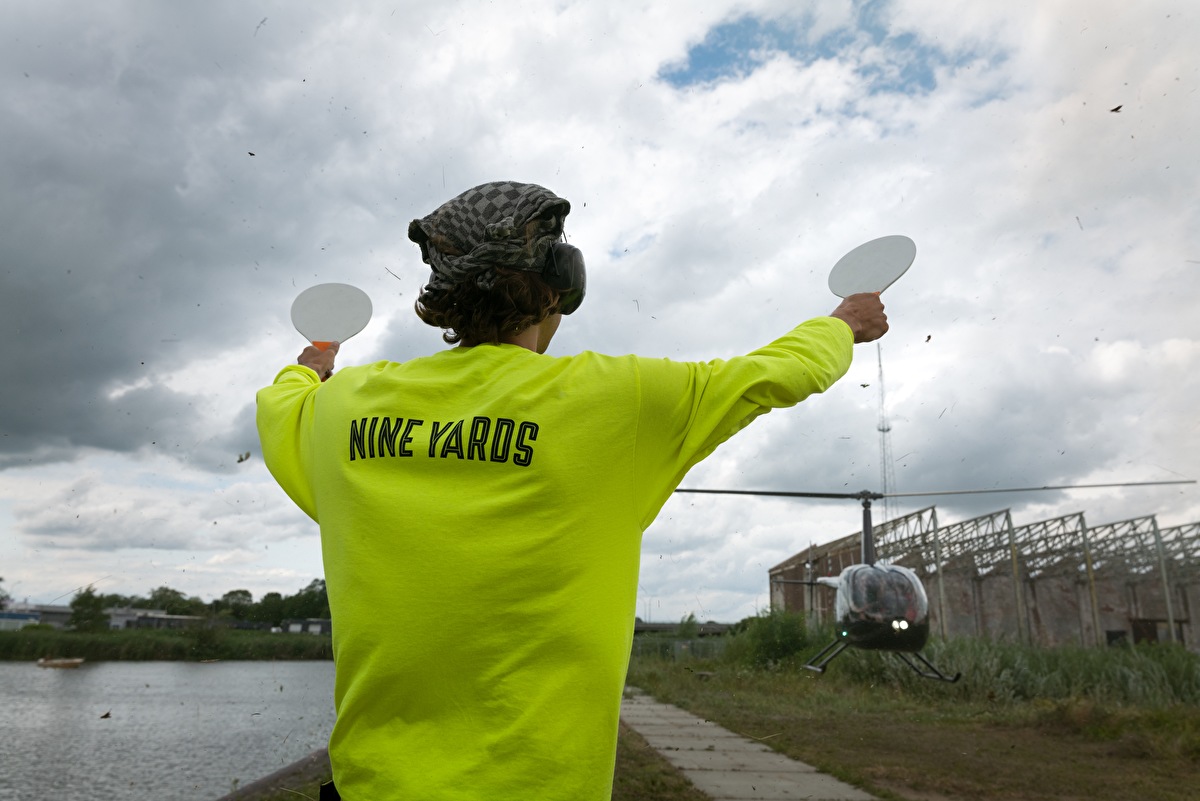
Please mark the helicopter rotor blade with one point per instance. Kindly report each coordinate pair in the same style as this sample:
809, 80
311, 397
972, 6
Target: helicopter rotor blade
873, 496
858, 495
1037, 489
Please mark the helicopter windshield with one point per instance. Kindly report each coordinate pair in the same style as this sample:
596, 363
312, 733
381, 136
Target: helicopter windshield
881, 593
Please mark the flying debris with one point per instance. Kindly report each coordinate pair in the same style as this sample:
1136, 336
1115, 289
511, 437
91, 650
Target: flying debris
1116, 110
243, 457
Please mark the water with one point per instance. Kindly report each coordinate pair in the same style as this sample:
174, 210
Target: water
174, 731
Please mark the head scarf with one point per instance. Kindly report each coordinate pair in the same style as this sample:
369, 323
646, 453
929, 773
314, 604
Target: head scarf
486, 225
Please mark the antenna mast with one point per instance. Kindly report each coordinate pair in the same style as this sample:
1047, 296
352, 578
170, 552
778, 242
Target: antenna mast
887, 472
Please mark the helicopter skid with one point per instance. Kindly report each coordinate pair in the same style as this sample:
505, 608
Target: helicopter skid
933, 672
829, 652
817, 663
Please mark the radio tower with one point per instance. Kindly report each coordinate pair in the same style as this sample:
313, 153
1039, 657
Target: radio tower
887, 473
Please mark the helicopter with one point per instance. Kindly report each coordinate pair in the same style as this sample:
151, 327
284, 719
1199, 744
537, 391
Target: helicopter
884, 607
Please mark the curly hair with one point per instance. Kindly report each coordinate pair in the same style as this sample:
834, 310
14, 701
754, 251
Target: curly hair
516, 300
513, 301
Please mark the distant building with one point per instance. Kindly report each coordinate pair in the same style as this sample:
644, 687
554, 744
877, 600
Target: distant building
708, 629
118, 617
15, 621
46, 614
308, 625
244, 625
131, 618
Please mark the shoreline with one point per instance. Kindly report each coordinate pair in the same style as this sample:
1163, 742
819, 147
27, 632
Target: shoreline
290, 779
163, 645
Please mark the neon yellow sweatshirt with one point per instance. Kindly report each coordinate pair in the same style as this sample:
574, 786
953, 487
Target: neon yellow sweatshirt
481, 515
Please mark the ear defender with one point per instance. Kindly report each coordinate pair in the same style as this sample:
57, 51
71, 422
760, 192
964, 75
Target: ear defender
565, 272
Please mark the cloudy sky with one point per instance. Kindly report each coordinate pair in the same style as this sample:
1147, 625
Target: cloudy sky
174, 174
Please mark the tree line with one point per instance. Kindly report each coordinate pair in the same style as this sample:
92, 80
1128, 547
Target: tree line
87, 607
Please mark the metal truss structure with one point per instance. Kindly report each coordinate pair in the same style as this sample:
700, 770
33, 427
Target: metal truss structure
1053, 581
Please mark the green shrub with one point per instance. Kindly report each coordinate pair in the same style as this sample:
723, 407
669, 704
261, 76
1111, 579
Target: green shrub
771, 640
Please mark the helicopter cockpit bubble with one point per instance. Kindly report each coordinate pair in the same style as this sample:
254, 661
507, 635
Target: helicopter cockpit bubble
882, 607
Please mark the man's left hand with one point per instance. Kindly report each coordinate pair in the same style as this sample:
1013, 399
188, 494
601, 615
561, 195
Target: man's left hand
319, 361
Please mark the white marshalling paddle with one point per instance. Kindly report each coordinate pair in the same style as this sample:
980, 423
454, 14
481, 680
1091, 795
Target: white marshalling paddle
872, 266
328, 313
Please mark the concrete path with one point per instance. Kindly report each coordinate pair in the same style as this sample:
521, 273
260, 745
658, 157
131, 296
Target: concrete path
727, 766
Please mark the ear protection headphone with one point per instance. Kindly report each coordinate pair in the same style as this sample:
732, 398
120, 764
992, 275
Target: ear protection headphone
564, 271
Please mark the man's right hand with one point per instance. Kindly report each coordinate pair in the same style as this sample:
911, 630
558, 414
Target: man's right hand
864, 314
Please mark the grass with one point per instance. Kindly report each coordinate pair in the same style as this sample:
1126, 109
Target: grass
642, 774
867, 723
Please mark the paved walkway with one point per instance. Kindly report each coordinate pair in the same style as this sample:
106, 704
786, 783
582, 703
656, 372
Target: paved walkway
727, 766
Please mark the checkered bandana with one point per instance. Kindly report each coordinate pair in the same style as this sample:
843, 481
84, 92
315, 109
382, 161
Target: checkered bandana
486, 225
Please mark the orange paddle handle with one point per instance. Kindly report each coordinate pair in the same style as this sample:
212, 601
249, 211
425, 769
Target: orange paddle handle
322, 345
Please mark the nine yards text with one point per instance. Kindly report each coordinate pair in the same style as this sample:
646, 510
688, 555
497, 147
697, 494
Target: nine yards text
485, 439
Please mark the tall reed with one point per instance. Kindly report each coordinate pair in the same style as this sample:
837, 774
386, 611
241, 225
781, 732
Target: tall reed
1147, 675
